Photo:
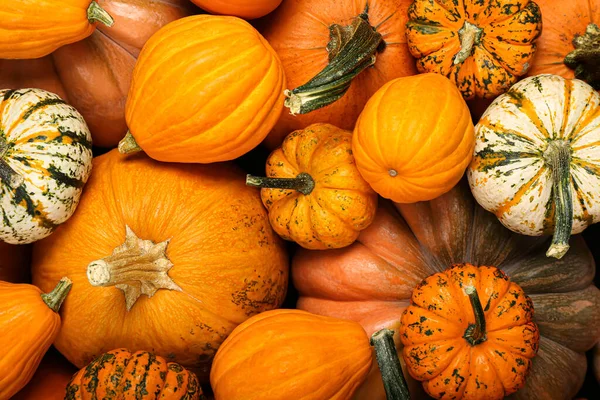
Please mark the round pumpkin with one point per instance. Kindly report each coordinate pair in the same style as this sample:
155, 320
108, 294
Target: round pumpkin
163, 257
483, 47
247, 9
372, 281
570, 47
414, 139
537, 158
14, 263
335, 54
228, 102
45, 160
313, 190
288, 352
104, 62
121, 374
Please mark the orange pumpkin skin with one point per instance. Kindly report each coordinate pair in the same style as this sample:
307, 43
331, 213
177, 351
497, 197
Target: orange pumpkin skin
230, 99
299, 33
291, 349
247, 9
14, 263
482, 47
433, 330
414, 138
121, 374
341, 203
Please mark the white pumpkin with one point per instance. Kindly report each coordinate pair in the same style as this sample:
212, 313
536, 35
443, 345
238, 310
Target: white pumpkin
537, 159
45, 159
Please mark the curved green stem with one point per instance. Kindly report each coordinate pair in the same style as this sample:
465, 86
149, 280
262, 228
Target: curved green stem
55, 298
389, 365
351, 49
558, 158
303, 183
585, 59
469, 35
95, 13
475, 333
8, 175
128, 145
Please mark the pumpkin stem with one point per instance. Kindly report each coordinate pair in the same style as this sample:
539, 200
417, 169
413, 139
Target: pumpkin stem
55, 298
8, 175
586, 56
558, 158
352, 49
136, 267
475, 333
303, 183
470, 35
95, 13
389, 365
128, 145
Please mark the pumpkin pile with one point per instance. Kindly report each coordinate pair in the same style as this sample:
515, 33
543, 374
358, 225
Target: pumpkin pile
284, 199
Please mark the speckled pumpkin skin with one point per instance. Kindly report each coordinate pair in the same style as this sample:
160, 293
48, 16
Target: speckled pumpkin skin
120, 374
501, 54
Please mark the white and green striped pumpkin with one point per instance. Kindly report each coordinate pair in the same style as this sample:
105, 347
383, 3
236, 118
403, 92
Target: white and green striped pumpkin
537, 159
45, 159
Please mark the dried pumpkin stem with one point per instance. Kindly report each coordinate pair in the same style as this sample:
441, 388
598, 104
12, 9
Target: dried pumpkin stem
352, 49
585, 59
128, 145
475, 333
95, 13
8, 175
470, 35
303, 183
55, 298
558, 159
389, 365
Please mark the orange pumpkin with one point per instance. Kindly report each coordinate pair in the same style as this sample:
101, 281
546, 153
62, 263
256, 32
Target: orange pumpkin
32, 29
14, 262
166, 269
483, 47
414, 139
120, 374
230, 99
570, 47
336, 54
287, 353
247, 9
29, 323
317, 197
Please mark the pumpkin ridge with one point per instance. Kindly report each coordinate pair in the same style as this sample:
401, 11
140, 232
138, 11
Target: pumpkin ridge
326, 206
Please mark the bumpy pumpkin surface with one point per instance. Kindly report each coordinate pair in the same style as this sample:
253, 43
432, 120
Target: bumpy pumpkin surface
121, 374
288, 352
45, 160
323, 202
239, 8
372, 281
482, 46
173, 270
230, 99
537, 158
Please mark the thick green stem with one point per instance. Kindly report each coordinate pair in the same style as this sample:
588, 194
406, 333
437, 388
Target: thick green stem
389, 365
469, 35
558, 159
585, 59
128, 145
55, 298
303, 183
475, 333
95, 13
8, 175
352, 49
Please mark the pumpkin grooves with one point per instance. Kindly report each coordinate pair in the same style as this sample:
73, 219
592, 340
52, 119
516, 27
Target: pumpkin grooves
558, 158
352, 49
584, 60
470, 35
55, 298
475, 333
128, 145
8, 175
303, 183
95, 13
389, 365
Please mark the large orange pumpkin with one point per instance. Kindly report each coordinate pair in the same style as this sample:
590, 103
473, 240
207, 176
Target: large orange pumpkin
14, 262
171, 269
205, 89
247, 9
358, 45
94, 74
372, 281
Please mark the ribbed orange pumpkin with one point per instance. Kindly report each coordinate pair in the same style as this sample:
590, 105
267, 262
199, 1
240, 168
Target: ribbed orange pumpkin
32, 29
247, 9
14, 262
414, 138
291, 354
205, 89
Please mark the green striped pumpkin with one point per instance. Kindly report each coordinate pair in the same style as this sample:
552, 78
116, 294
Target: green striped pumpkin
537, 159
45, 160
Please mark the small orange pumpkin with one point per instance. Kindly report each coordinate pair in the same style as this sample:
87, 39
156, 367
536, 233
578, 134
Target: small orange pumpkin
316, 196
414, 139
247, 9
230, 99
